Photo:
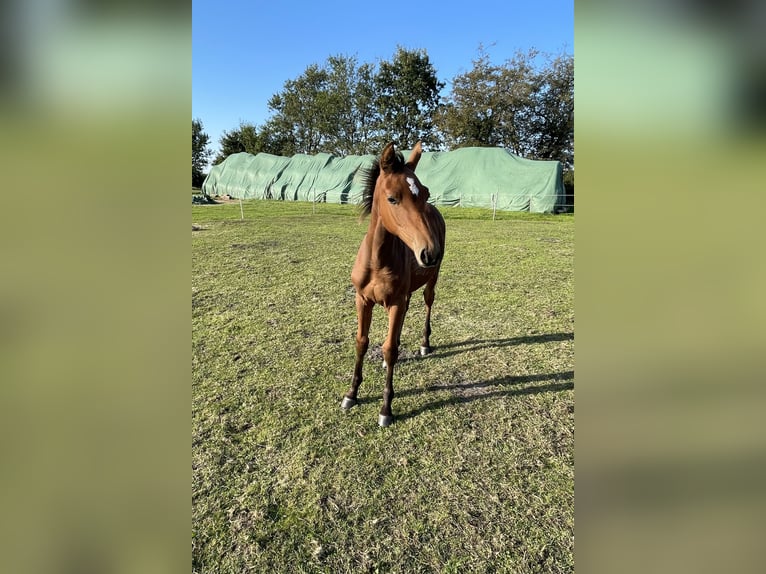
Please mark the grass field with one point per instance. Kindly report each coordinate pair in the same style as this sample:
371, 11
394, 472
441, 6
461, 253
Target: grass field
477, 472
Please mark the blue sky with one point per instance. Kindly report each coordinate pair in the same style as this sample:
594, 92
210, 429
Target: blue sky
243, 52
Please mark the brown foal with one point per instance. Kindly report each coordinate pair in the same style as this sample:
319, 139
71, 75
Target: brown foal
401, 252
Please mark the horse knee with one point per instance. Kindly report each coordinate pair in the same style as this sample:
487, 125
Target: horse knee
361, 344
390, 354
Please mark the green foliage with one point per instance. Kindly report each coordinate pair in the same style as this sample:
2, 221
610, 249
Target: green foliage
349, 107
522, 107
251, 139
553, 113
477, 472
242, 139
326, 109
301, 109
407, 98
568, 178
200, 153
344, 107
481, 107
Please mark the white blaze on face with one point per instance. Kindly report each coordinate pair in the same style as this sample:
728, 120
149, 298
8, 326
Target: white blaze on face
413, 186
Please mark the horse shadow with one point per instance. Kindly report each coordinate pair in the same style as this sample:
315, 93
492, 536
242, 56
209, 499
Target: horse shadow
469, 345
470, 391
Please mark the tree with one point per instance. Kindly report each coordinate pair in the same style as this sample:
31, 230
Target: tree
408, 98
554, 113
349, 112
300, 111
328, 108
342, 107
366, 116
244, 138
200, 153
275, 140
525, 108
471, 117
251, 139
492, 105
517, 85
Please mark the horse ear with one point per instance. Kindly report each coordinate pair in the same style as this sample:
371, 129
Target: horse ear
415, 154
389, 162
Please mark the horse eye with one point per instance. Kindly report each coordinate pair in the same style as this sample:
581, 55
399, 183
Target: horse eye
392, 200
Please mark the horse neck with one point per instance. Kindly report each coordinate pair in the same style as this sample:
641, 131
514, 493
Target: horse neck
386, 249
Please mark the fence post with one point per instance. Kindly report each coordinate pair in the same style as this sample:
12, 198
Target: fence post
494, 205
241, 211
314, 201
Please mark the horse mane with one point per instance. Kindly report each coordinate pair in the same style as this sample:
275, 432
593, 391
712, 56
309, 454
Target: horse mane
369, 179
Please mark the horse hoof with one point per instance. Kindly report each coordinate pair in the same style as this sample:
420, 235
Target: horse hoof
385, 420
385, 365
347, 403
424, 351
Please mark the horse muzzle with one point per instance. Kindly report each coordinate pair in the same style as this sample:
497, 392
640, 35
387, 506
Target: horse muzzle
429, 257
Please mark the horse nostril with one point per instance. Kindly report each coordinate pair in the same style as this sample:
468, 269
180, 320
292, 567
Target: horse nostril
426, 257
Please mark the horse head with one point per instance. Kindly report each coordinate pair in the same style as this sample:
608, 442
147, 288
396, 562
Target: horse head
401, 201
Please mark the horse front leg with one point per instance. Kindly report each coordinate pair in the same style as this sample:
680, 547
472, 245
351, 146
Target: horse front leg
406, 308
428, 295
396, 314
364, 318
399, 337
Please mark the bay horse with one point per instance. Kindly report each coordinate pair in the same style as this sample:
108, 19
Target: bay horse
401, 252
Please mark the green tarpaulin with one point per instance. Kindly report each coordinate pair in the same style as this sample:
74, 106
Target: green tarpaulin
470, 177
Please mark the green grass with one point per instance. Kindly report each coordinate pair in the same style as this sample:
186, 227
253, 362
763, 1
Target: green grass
477, 472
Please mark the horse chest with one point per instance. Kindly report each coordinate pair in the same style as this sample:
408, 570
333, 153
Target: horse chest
384, 286
420, 277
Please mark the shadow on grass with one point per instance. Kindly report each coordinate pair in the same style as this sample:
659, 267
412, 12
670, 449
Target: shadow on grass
469, 391
478, 344
375, 352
